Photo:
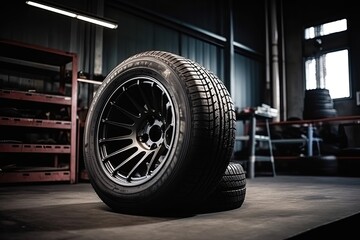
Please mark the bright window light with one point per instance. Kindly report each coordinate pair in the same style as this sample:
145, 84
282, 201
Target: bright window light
337, 74
330, 71
326, 29
328, 68
310, 66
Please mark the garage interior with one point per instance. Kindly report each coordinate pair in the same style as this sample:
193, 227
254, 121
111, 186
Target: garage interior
274, 58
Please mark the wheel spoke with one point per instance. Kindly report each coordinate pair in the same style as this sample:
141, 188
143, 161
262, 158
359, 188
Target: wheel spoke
118, 124
145, 98
136, 131
168, 134
138, 107
117, 152
163, 104
126, 161
140, 162
127, 113
167, 113
154, 158
113, 139
154, 98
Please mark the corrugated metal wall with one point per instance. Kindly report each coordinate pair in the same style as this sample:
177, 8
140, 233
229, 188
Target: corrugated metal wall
142, 32
249, 75
135, 35
206, 54
139, 31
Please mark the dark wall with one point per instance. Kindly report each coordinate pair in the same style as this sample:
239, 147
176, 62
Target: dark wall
249, 24
300, 14
195, 29
208, 15
24, 23
179, 27
136, 32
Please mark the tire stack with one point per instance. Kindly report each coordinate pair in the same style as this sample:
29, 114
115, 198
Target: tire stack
318, 104
230, 191
159, 136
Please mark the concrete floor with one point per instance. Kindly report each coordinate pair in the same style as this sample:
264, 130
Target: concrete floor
281, 207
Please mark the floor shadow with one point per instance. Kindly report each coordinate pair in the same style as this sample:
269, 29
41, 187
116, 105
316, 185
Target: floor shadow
346, 228
72, 217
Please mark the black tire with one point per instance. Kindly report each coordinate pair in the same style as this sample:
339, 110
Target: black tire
317, 92
320, 113
323, 98
318, 104
313, 106
159, 132
230, 192
319, 165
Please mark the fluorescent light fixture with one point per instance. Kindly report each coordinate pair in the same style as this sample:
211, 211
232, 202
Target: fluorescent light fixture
96, 21
52, 9
73, 14
89, 81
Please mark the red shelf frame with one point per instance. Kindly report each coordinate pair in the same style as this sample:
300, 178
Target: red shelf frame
61, 60
34, 148
31, 122
41, 176
35, 97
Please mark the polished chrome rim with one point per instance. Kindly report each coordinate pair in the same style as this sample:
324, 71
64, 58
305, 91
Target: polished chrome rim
136, 131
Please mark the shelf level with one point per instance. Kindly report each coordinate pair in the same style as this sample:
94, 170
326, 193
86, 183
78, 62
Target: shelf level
33, 53
30, 122
33, 148
35, 97
41, 176
40, 64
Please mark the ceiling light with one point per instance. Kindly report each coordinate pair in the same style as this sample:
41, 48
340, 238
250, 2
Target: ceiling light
71, 13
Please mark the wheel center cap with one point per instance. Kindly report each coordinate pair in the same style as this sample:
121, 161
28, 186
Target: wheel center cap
155, 133
152, 135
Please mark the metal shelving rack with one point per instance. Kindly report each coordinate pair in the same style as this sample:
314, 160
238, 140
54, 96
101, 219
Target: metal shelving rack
21, 58
249, 117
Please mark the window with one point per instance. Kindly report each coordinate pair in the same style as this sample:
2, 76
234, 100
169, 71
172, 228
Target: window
327, 65
326, 29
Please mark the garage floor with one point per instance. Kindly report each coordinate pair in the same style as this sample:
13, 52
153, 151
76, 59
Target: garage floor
280, 207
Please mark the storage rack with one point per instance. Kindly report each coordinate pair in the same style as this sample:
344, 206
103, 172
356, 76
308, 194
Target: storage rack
22, 160
252, 139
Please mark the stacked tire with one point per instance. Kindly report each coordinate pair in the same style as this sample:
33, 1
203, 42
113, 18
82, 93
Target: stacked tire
318, 104
230, 192
159, 135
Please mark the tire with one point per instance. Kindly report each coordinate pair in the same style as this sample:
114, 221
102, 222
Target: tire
313, 106
160, 132
320, 113
317, 92
230, 192
324, 165
318, 104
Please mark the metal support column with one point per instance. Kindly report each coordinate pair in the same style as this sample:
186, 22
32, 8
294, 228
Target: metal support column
229, 51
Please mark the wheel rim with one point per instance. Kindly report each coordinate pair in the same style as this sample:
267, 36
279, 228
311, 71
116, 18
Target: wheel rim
136, 131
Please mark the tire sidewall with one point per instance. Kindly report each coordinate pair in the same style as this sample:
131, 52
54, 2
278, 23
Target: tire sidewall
165, 177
